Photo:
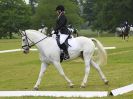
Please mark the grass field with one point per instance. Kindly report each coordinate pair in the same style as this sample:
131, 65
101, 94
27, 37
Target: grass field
19, 71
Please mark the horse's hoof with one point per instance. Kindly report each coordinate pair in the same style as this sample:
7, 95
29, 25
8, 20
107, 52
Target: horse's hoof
36, 89
106, 82
71, 85
82, 86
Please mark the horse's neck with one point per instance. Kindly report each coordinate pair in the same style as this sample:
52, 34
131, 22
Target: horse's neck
35, 36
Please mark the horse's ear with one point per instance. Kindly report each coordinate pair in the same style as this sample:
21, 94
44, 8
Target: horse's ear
21, 32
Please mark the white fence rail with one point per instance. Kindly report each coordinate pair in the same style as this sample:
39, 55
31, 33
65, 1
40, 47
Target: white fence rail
16, 50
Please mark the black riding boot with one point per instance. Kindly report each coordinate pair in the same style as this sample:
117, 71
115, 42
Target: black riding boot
64, 48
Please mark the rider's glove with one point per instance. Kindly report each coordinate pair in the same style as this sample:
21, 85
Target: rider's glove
55, 32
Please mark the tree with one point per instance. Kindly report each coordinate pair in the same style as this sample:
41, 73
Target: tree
33, 4
108, 14
88, 10
46, 13
14, 15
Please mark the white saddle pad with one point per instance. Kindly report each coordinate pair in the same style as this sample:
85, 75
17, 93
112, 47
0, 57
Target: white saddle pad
72, 42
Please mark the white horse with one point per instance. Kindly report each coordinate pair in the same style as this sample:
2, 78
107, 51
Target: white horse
131, 30
123, 32
50, 53
119, 30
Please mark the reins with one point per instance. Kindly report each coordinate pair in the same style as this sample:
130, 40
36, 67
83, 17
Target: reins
37, 41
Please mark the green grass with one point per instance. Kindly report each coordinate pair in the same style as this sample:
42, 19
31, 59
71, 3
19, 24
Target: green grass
19, 71
9, 44
90, 33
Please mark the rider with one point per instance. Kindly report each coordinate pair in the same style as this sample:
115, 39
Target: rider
61, 29
126, 25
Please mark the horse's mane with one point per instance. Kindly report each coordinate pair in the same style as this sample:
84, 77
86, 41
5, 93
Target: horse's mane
30, 31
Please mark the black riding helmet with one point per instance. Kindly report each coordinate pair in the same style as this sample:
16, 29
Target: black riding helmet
60, 7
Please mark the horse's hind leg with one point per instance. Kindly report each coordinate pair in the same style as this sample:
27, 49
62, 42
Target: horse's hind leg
96, 66
42, 71
87, 69
59, 68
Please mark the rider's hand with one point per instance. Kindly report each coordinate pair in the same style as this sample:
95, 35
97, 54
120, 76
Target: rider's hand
55, 32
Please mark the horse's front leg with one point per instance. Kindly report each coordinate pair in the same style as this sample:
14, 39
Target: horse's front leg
59, 68
122, 36
42, 70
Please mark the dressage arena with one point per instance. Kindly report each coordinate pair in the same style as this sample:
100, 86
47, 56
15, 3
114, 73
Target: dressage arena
18, 73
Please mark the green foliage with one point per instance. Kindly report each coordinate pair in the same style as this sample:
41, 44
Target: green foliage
88, 10
33, 3
107, 14
14, 15
46, 13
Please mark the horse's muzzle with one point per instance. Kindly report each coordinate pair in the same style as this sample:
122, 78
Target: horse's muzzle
26, 51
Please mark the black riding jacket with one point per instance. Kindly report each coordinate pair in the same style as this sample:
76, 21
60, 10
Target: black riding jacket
61, 24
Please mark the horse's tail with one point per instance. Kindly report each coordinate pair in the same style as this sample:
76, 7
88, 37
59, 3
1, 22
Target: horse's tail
101, 57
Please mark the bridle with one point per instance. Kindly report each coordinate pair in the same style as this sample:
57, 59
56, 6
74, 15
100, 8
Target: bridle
28, 44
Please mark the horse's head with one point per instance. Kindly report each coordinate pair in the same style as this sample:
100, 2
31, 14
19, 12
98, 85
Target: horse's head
31, 38
25, 42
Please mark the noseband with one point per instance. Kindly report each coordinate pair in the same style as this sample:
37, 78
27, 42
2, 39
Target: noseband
30, 45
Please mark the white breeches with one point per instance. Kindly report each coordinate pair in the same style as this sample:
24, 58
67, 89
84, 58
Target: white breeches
63, 37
